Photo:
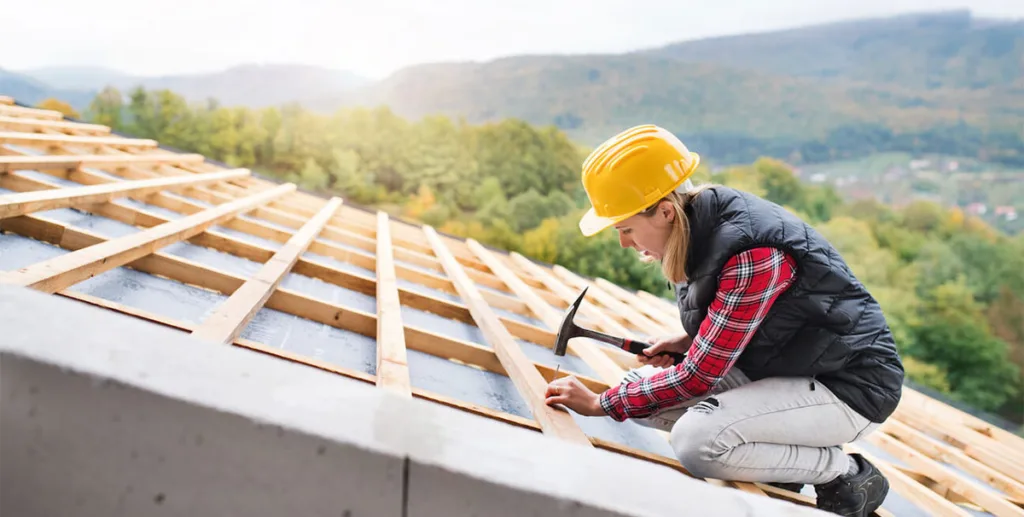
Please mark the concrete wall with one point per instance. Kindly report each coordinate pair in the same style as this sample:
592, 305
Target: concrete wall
105, 415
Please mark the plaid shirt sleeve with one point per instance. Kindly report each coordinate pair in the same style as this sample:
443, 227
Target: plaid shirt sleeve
748, 285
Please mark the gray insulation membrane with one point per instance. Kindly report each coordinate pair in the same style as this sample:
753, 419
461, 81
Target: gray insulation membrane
301, 336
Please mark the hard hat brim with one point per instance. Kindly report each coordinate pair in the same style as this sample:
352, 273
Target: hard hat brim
591, 224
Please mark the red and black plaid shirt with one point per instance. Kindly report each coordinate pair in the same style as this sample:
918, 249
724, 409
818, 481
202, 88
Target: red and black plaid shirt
748, 285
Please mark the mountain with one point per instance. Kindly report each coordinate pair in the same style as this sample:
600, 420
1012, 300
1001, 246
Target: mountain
925, 51
248, 85
28, 90
91, 78
592, 97
816, 93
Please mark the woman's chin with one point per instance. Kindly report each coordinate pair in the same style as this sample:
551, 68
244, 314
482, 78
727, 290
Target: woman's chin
648, 257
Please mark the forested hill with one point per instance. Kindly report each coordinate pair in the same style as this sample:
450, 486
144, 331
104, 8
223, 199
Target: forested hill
920, 51
944, 83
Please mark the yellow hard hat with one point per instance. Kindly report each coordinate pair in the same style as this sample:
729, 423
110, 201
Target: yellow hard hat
632, 171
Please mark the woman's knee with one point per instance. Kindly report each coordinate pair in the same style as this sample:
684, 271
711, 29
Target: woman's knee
694, 440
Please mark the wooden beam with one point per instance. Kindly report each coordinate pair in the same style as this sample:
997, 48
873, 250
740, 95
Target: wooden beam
98, 161
939, 451
631, 298
606, 369
602, 320
11, 137
291, 302
12, 205
6, 100
985, 498
314, 269
972, 443
231, 317
392, 364
66, 270
523, 373
626, 312
34, 113
32, 125
951, 414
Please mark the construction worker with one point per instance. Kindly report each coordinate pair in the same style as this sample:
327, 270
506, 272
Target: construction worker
788, 357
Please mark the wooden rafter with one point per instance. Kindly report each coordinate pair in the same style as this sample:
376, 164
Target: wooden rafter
30, 202
627, 313
606, 369
392, 364
230, 318
521, 370
66, 270
14, 137
31, 125
36, 113
11, 163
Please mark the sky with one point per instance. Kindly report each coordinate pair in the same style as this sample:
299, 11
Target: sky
376, 37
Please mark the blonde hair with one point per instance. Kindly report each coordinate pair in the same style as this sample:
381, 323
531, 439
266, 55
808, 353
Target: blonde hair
677, 247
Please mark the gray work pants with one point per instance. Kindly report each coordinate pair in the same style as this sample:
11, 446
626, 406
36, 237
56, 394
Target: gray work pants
781, 429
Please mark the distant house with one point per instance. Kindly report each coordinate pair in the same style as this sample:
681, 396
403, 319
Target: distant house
976, 208
1007, 212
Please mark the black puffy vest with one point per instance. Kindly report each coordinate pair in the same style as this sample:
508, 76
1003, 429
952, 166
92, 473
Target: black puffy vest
826, 325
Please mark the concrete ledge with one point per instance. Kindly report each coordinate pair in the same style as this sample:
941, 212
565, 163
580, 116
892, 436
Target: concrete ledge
102, 414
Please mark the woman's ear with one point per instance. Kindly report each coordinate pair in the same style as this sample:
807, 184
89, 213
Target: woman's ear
666, 210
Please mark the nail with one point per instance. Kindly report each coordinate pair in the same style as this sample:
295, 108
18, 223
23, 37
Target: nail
557, 367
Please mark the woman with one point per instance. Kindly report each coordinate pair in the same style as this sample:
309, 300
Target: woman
788, 357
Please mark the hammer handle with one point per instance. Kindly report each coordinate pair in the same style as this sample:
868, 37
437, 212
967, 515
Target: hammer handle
633, 347
637, 347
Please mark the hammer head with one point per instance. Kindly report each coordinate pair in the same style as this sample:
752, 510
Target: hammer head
568, 330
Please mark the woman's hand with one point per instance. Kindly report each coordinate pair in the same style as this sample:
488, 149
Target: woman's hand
680, 344
573, 394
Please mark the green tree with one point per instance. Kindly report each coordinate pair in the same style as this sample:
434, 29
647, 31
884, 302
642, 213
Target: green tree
106, 108
953, 335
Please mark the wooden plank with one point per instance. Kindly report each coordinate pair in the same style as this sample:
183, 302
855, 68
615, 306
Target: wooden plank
33, 125
231, 317
11, 137
627, 313
951, 414
969, 489
641, 304
6, 100
606, 369
66, 270
98, 161
521, 370
311, 268
392, 364
971, 442
600, 319
31, 113
942, 452
659, 303
290, 302
12, 205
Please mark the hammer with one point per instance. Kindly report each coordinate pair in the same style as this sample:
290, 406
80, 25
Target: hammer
568, 330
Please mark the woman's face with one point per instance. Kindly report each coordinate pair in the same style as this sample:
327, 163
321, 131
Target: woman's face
648, 233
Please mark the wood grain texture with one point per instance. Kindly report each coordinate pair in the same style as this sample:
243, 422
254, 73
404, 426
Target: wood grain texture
521, 370
61, 272
12, 205
392, 364
230, 318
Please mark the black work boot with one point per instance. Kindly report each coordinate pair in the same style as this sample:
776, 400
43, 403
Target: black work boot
854, 495
792, 487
